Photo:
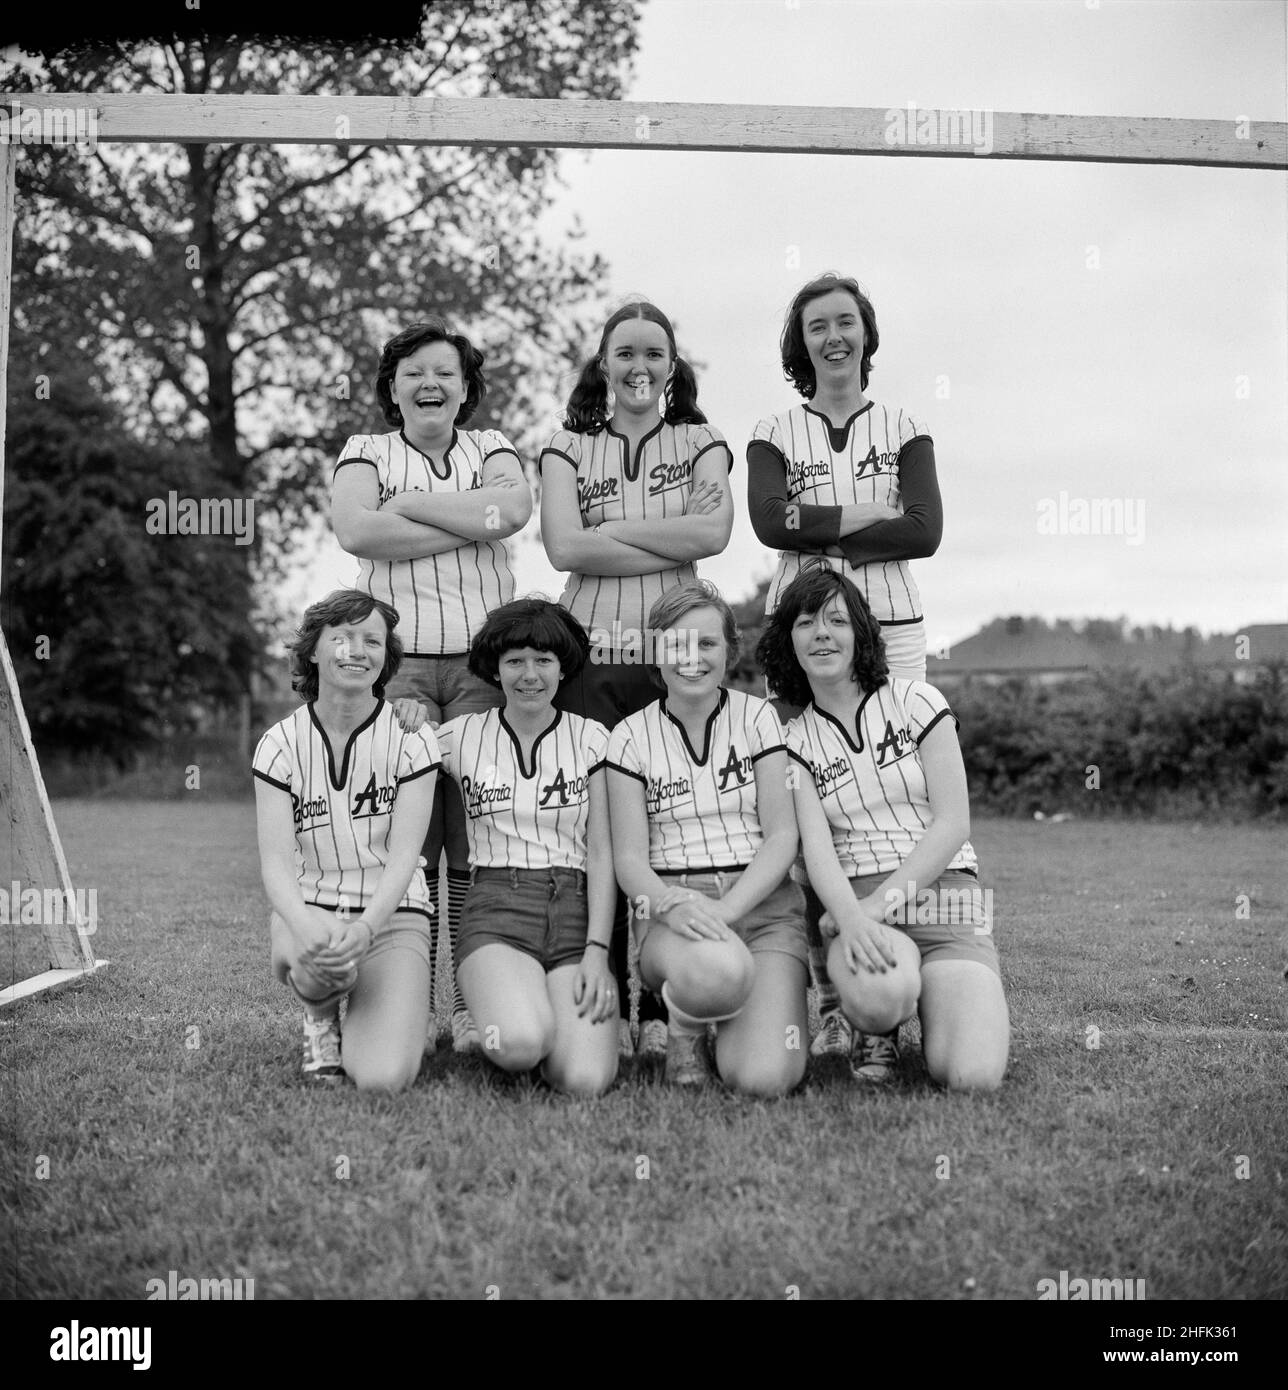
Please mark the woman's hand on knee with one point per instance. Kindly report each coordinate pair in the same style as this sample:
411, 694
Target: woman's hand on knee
697, 919
867, 944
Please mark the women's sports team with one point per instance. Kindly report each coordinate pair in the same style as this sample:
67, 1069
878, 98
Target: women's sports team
640, 861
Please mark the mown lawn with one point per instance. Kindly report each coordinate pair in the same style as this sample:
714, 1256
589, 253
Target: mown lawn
1142, 1132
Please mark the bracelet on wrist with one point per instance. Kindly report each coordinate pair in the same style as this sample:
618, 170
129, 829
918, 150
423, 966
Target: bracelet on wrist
603, 945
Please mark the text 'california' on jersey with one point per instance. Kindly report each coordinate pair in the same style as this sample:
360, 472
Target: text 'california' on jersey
870, 778
518, 815
442, 600
827, 467
343, 810
614, 486
701, 802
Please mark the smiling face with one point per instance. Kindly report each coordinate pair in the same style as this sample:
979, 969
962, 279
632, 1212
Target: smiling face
824, 643
428, 387
351, 656
638, 362
833, 333
693, 656
529, 679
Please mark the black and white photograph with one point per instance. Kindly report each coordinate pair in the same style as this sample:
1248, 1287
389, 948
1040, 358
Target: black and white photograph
645, 658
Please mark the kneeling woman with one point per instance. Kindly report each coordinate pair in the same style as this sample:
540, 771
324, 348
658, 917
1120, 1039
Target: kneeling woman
343, 797
884, 819
704, 833
532, 955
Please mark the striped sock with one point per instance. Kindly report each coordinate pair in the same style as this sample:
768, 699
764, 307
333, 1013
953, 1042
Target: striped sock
458, 884
828, 998
432, 881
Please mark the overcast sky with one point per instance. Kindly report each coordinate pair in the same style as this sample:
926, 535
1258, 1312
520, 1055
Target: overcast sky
1115, 332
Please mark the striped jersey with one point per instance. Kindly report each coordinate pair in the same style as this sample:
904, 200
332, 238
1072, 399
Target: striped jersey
613, 486
826, 467
442, 600
870, 779
701, 802
343, 811
521, 815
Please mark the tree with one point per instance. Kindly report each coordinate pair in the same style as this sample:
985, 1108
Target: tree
118, 631
236, 294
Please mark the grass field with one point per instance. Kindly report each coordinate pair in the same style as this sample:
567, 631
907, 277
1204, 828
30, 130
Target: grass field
1142, 1131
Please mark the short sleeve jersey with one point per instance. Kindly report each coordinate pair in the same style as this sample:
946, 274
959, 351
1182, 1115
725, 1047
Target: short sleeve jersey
701, 802
826, 467
870, 778
344, 809
524, 815
442, 600
613, 486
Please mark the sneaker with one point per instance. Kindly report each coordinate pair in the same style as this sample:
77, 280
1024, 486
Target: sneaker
834, 1038
322, 1049
625, 1040
465, 1036
686, 1059
875, 1056
654, 1037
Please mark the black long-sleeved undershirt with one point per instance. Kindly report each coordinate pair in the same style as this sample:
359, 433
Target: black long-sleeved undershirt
912, 536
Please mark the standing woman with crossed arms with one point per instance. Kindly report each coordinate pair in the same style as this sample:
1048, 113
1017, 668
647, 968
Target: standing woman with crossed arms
634, 490
426, 508
852, 480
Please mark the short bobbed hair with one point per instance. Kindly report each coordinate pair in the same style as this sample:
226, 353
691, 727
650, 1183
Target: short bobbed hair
340, 607
529, 622
411, 340
814, 588
797, 367
671, 607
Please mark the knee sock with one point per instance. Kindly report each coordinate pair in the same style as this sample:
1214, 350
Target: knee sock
458, 884
828, 999
432, 880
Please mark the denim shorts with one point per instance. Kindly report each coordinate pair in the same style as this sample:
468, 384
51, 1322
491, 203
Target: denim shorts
541, 912
776, 923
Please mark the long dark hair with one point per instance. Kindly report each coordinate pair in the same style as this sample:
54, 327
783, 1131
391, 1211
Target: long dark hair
812, 589
587, 411
341, 606
411, 340
797, 367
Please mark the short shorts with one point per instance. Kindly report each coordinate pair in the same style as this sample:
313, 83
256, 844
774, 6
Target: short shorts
776, 923
541, 912
406, 931
952, 919
444, 683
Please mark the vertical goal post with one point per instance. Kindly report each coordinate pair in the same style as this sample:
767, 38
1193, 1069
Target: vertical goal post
34, 853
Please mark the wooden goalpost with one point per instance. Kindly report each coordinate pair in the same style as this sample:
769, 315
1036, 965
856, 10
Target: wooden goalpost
34, 856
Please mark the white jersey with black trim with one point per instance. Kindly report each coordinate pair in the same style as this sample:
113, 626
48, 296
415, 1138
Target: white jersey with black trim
613, 485
517, 815
343, 811
828, 467
870, 778
442, 600
701, 802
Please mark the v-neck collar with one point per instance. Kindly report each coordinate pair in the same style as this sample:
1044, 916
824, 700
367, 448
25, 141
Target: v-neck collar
338, 779
433, 467
528, 773
838, 434
699, 761
848, 734
631, 466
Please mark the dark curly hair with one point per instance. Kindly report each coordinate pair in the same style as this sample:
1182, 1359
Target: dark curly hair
411, 340
529, 622
811, 590
797, 367
587, 411
341, 606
